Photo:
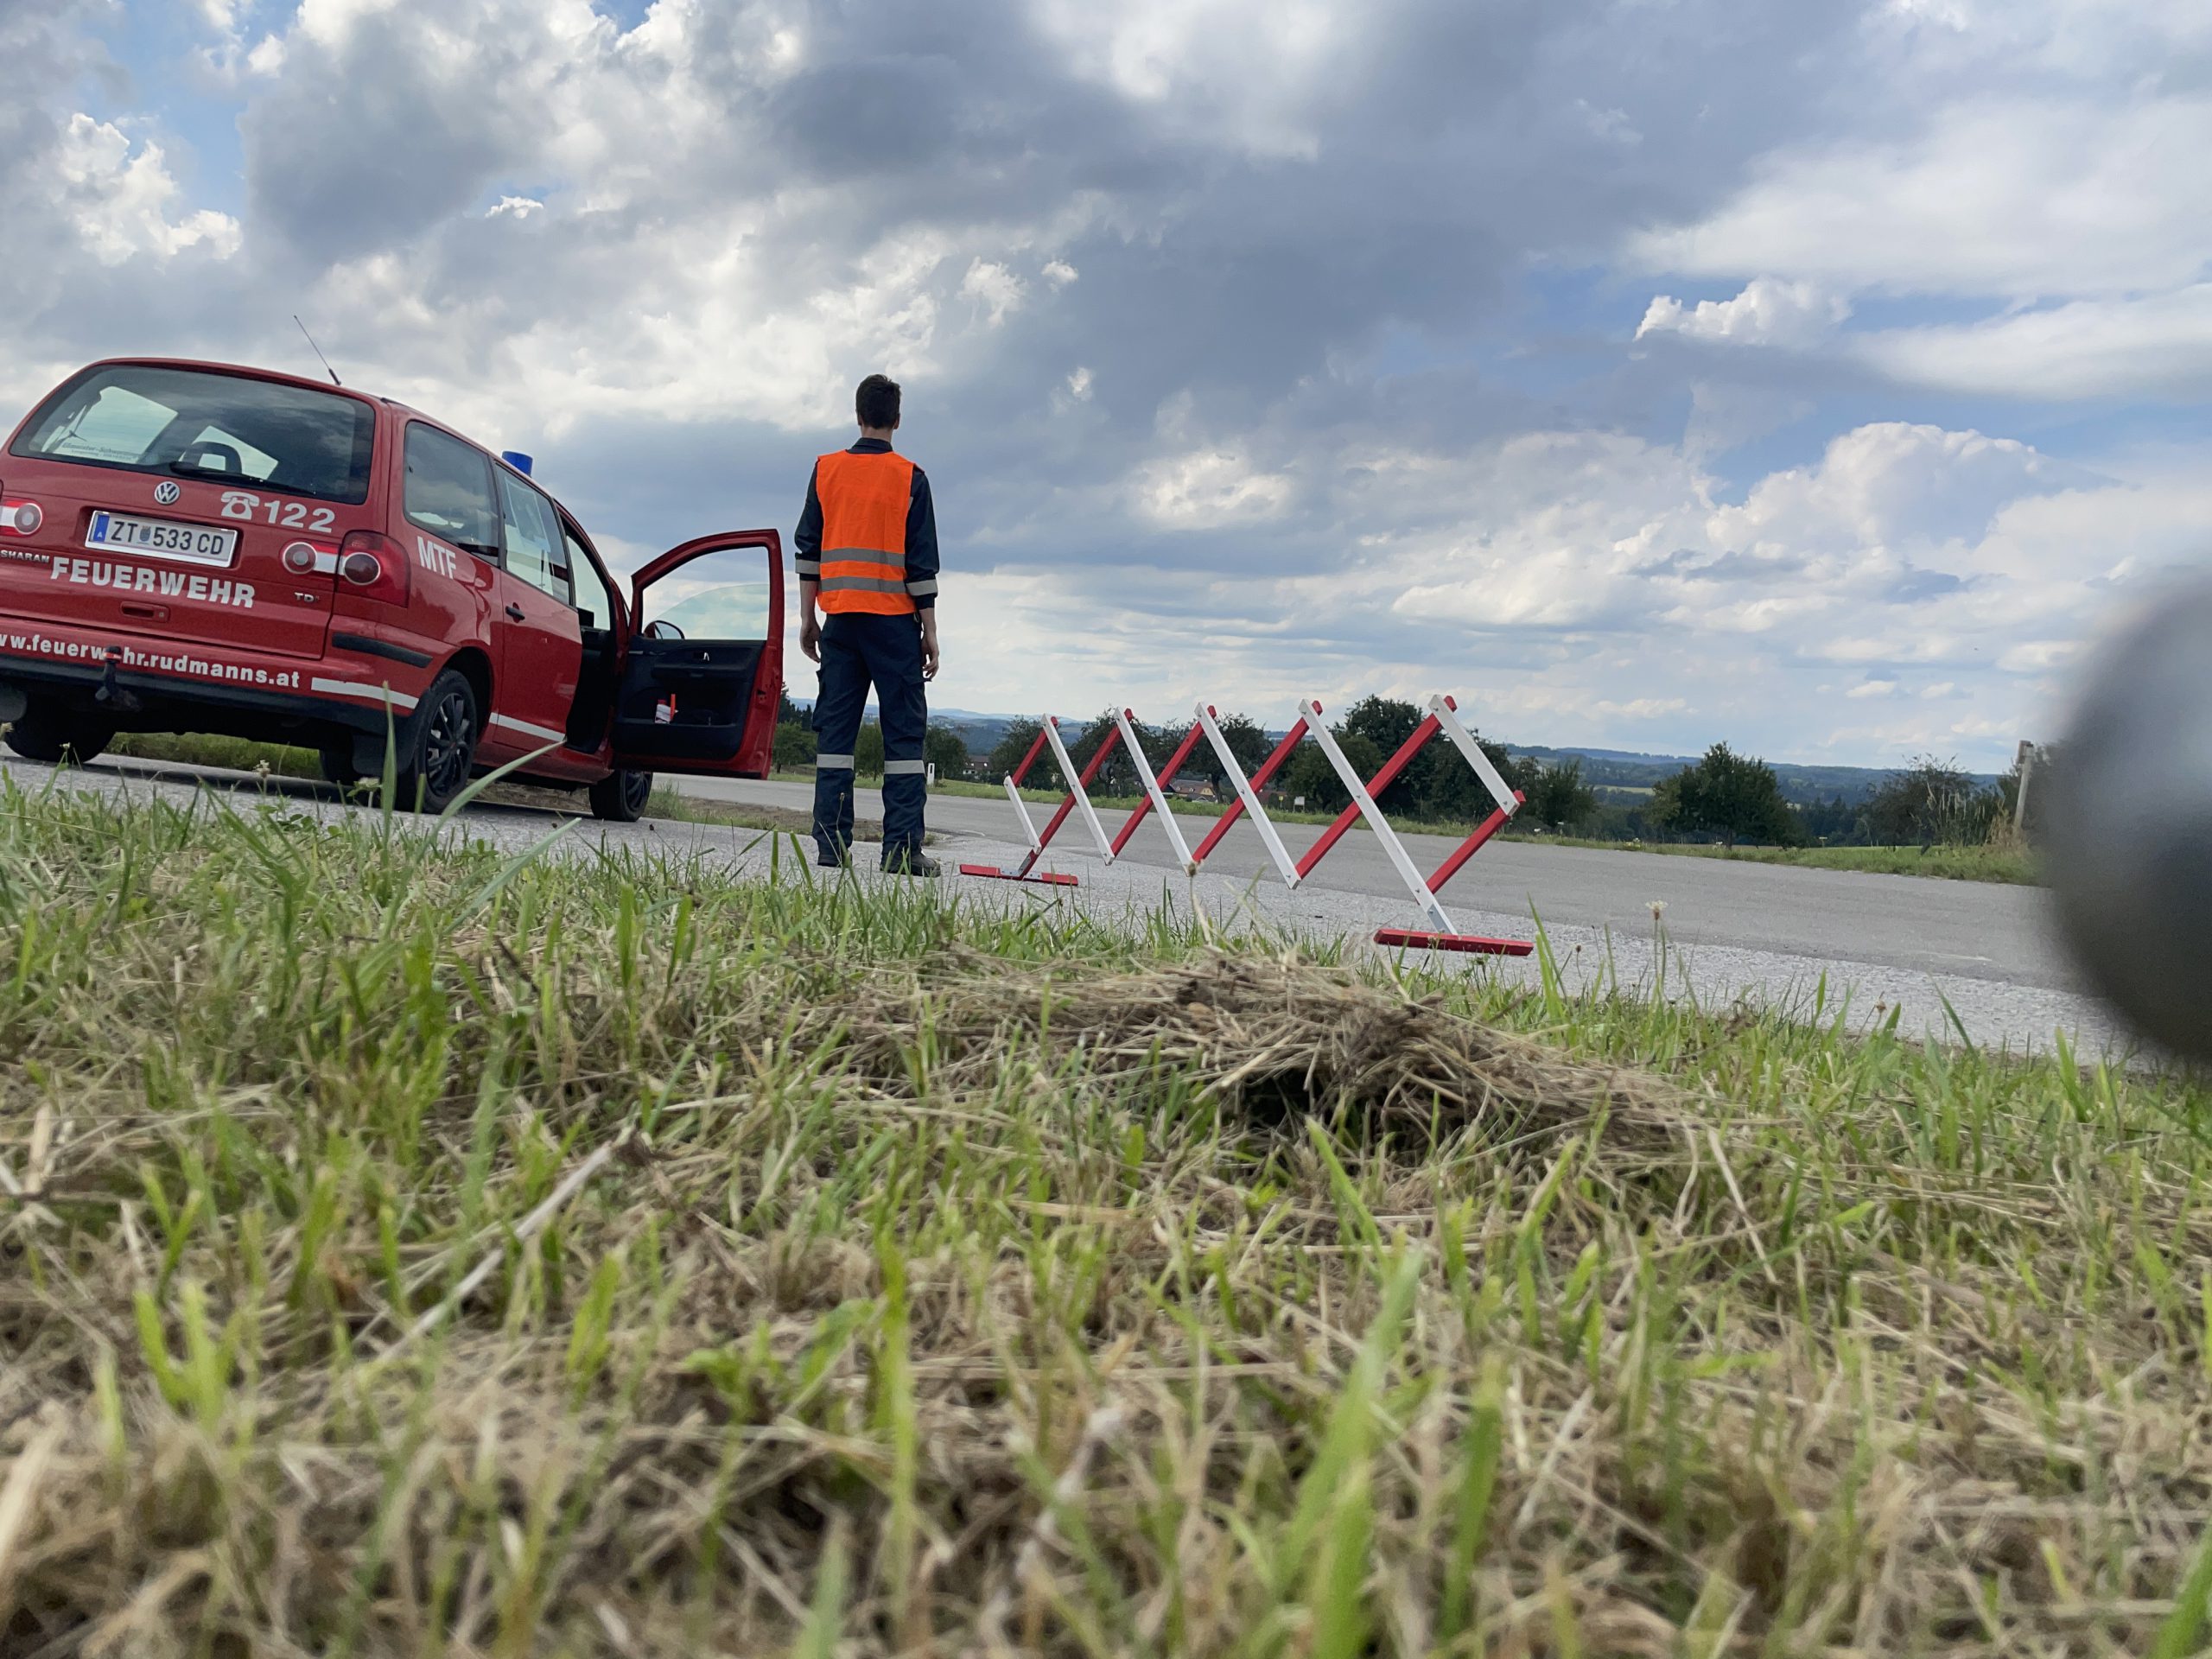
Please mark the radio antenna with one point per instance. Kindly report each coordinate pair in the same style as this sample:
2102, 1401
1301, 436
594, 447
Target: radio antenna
317, 350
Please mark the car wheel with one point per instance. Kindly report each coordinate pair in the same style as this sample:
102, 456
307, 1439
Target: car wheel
50, 732
620, 797
442, 754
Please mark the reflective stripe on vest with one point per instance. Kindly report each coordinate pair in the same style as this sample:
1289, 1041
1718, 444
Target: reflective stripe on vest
865, 500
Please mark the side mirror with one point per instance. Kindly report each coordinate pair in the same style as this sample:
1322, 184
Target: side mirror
663, 631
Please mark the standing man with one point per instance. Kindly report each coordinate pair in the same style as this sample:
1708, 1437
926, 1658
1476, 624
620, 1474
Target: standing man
866, 554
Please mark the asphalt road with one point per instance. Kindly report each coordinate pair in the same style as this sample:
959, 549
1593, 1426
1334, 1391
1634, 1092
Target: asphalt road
1969, 930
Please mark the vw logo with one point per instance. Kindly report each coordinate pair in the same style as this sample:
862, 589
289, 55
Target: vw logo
165, 493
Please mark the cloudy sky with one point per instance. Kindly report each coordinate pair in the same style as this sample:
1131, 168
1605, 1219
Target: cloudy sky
1645, 372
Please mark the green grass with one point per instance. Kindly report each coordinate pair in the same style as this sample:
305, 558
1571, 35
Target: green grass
408, 1250
206, 749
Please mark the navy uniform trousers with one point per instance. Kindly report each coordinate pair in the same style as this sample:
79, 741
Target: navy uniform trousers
860, 650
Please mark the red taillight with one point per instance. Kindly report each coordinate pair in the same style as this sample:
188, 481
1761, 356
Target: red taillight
374, 567
21, 518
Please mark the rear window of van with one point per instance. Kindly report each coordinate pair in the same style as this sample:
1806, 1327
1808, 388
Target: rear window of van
196, 423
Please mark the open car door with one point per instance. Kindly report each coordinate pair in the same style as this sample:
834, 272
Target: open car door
704, 673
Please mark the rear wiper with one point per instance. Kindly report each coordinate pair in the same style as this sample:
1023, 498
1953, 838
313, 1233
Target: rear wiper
193, 469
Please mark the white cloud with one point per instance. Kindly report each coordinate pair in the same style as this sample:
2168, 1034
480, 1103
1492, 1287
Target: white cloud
2156, 345
118, 203
2039, 656
1767, 313
1207, 490
1058, 272
997, 289
2010, 195
515, 207
1245, 72
1873, 689
1640, 708
1886, 488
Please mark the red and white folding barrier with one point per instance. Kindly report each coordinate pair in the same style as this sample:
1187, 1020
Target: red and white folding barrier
1443, 716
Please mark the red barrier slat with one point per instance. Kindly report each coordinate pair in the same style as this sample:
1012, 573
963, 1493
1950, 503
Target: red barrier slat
1167, 775
1471, 845
1049, 879
1381, 780
1268, 767
1030, 758
1473, 943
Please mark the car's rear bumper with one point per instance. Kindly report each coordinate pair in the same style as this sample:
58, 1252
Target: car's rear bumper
141, 678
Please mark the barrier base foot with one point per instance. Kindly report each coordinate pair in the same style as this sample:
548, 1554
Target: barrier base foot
1472, 944
1049, 879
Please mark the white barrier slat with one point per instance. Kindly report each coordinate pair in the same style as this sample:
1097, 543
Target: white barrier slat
1317, 729
1448, 718
1151, 790
1021, 811
1073, 775
1284, 862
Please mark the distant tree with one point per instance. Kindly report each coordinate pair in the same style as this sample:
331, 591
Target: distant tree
1730, 796
795, 746
1010, 750
1558, 798
868, 753
788, 712
1310, 774
1119, 775
1246, 742
1933, 802
947, 751
1837, 822
1385, 724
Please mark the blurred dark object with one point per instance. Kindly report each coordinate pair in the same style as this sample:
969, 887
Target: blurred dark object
2127, 823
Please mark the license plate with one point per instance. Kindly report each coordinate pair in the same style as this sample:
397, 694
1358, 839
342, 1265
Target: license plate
157, 538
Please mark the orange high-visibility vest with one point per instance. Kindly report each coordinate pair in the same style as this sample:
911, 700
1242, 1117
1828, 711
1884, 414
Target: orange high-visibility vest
864, 502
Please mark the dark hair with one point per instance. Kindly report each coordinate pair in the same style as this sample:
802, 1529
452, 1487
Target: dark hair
876, 403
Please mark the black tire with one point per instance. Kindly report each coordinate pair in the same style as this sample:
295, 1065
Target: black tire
620, 797
440, 752
50, 731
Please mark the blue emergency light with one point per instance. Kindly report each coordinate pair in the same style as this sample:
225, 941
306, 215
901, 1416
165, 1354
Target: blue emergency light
516, 459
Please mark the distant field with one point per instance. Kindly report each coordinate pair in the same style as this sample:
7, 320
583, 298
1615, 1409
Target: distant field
410, 1251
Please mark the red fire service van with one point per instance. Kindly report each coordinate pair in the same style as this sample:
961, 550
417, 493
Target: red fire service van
194, 547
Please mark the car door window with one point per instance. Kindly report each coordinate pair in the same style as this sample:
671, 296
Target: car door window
536, 551
593, 601
718, 595
449, 492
